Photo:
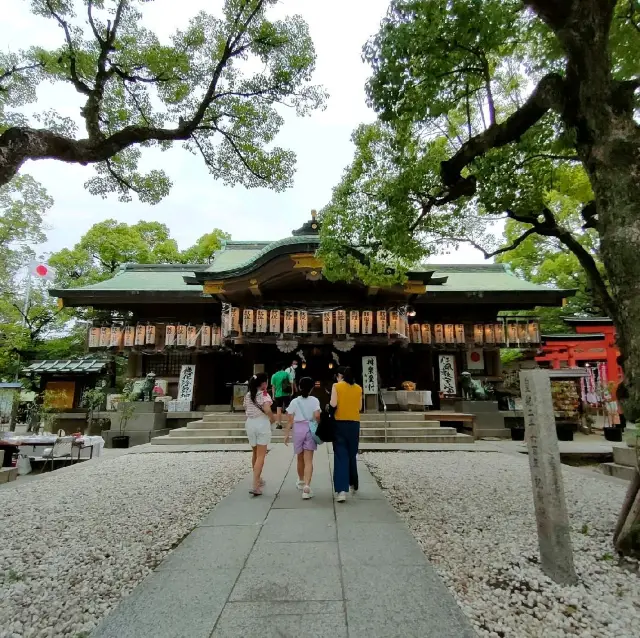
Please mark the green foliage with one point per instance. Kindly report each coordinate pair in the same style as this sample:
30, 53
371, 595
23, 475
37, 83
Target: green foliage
93, 399
444, 72
376, 203
23, 203
203, 250
217, 86
107, 245
544, 260
126, 406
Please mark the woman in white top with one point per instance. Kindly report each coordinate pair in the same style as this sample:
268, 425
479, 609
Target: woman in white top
257, 407
301, 411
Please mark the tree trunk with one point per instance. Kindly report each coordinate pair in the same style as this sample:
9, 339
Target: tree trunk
628, 541
598, 111
616, 183
629, 499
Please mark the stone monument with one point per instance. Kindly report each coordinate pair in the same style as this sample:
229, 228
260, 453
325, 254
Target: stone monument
556, 554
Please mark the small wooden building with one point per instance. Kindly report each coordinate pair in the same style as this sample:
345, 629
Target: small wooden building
258, 303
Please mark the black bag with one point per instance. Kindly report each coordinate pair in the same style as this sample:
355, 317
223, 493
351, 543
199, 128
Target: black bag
327, 425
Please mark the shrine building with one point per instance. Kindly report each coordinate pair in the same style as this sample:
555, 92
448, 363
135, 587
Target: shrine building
259, 303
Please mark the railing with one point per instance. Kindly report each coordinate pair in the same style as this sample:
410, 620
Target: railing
384, 409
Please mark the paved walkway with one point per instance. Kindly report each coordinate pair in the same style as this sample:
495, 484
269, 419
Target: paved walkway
279, 567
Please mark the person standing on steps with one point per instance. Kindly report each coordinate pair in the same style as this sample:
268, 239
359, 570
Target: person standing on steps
291, 371
301, 412
257, 406
346, 398
282, 389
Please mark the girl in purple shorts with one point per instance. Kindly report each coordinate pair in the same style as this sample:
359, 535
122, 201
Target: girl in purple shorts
300, 412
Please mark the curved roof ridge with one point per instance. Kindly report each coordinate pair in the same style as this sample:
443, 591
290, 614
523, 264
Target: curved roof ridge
466, 267
286, 241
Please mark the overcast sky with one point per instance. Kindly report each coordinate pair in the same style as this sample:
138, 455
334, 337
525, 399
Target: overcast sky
197, 203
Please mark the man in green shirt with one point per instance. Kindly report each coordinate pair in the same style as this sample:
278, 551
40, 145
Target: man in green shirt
283, 386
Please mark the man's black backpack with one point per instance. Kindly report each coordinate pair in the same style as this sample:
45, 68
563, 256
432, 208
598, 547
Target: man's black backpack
286, 384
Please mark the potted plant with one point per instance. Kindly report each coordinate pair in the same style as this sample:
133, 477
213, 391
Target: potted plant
47, 412
564, 430
613, 433
93, 400
126, 407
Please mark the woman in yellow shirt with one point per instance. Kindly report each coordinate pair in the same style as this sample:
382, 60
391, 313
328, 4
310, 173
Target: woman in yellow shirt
346, 397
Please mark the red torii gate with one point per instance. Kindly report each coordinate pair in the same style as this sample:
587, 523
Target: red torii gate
594, 341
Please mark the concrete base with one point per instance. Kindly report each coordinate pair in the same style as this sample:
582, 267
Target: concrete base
8, 474
148, 420
619, 471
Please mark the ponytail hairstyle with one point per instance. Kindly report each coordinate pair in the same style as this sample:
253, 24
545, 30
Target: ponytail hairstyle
254, 383
347, 374
306, 385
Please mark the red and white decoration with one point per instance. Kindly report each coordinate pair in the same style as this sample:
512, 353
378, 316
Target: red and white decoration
42, 270
475, 359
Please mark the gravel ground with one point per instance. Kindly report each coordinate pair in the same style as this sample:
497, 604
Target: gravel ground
473, 516
73, 544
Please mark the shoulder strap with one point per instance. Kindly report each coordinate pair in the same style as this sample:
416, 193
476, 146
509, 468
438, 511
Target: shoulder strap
302, 402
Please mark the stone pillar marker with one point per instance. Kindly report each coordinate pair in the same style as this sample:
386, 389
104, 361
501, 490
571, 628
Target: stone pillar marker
554, 539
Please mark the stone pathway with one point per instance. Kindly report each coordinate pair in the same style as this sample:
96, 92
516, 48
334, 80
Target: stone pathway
276, 566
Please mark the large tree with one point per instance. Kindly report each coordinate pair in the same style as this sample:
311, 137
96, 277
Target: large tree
216, 86
481, 104
109, 244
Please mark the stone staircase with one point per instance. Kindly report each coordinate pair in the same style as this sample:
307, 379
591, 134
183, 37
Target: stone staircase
624, 463
401, 427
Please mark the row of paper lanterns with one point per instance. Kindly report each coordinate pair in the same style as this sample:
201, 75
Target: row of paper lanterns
512, 333
339, 322
142, 335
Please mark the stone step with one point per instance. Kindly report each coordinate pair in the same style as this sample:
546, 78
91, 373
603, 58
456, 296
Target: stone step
617, 470
500, 433
364, 432
369, 416
625, 456
279, 438
222, 425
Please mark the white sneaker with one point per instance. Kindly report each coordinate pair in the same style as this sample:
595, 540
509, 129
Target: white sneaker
307, 493
342, 497
299, 484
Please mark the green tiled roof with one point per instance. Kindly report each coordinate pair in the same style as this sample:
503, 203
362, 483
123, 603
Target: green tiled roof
479, 278
169, 278
75, 366
146, 278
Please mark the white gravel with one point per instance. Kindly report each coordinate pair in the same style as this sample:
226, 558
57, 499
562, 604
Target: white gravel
74, 543
472, 513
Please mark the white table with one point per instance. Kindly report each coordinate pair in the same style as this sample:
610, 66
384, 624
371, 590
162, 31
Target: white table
88, 447
405, 398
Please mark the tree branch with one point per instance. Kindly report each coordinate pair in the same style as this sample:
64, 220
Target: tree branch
234, 146
228, 53
548, 94
80, 86
121, 180
92, 107
18, 69
504, 249
568, 158
92, 23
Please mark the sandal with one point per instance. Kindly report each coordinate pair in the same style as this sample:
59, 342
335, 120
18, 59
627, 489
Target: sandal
255, 492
